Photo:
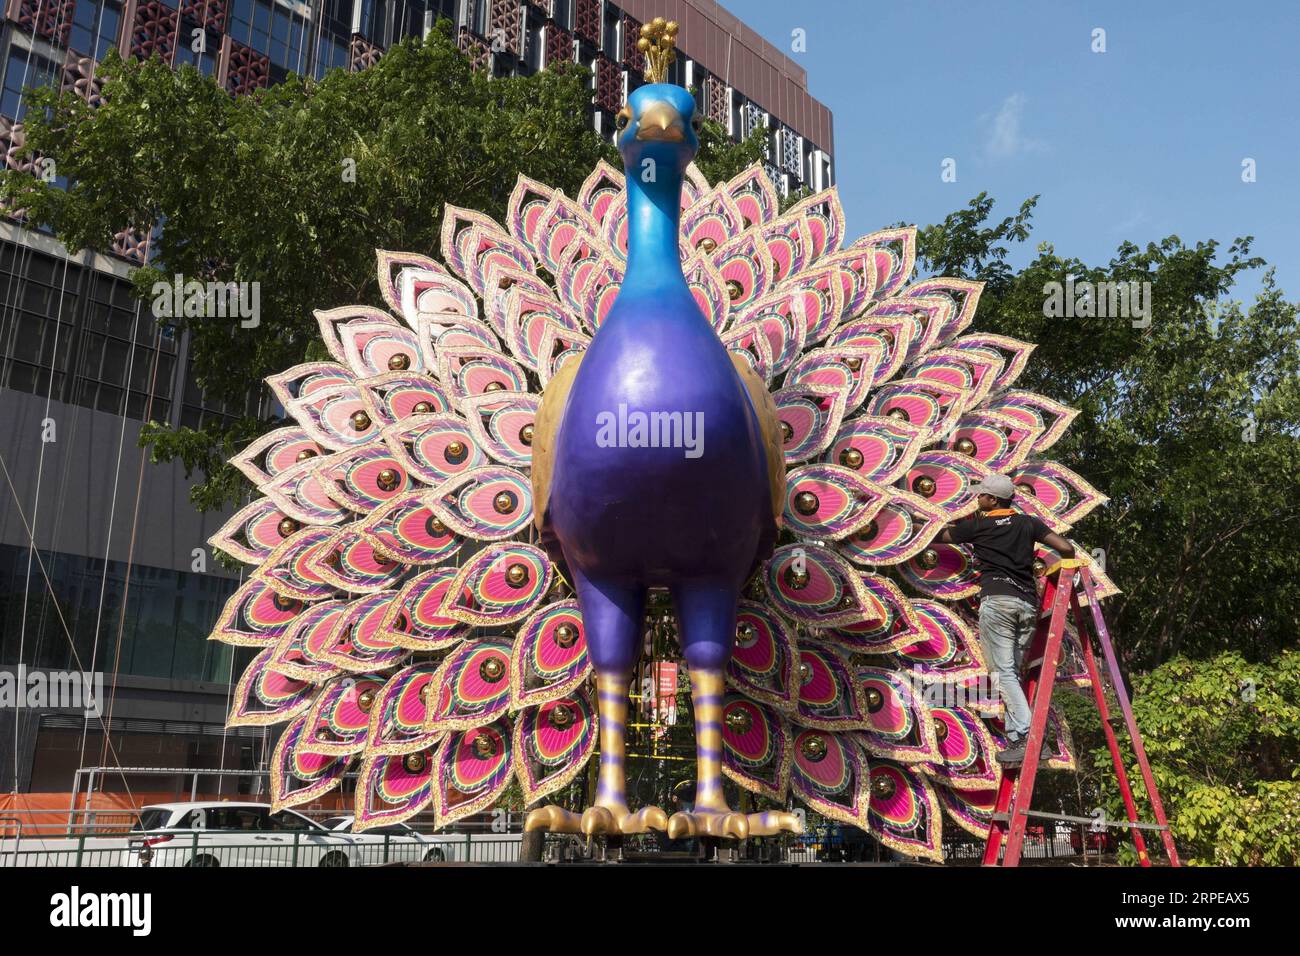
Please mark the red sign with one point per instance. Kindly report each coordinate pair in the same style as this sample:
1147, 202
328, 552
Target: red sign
666, 691
666, 678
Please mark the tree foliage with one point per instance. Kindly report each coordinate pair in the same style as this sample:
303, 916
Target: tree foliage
719, 159
1190, 424
1223, 739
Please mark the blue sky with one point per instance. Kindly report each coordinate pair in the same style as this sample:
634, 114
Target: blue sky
1140, 142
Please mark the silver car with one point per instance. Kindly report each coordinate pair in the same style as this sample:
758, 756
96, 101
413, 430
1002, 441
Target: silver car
233, 834
399, 843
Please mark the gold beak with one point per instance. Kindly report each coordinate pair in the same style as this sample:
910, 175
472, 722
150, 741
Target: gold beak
660, 122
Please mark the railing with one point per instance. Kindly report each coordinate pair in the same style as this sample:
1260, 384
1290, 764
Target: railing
207, 848
199, 848
964, 848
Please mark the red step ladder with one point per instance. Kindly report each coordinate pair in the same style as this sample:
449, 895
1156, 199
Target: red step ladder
1015, 794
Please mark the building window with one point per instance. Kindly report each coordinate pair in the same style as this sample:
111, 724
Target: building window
677, 71
117, 371
331, 53
478, 16
24, 70
337, 14
241, 20
166, 618
367, 25
206, 61
279, 35
94, 27
250, 24
410, 18
442, 9
38, 327
562, 14
532, 59
199, 410
610, 43
287, 43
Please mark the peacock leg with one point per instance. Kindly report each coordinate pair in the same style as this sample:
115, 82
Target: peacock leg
708, 617
613, 622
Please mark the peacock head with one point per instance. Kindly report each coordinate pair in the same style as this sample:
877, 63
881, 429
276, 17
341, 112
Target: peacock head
658, 130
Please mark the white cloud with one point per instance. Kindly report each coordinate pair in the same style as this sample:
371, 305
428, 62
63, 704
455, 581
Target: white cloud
1138, 218
1005, 138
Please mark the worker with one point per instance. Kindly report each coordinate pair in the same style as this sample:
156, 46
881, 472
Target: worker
1003, 540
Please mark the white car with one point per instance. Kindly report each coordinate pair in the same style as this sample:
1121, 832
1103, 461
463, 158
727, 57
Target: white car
234, 834
398, 843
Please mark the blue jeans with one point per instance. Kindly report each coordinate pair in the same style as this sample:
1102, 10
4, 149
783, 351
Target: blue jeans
1006, 631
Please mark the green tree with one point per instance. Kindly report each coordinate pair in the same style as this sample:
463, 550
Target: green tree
1223, 739
1190, 424
719, 158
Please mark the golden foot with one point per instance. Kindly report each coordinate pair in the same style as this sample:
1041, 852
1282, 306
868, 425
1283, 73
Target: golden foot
608, 820
618, 820
714, 823
553, 818
724, 823
773, 822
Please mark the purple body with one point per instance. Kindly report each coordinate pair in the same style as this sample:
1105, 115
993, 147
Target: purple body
695, 520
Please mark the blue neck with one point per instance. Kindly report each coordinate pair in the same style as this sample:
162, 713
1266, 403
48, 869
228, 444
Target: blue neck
654, 263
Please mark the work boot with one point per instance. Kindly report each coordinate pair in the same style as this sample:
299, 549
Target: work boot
1013, 756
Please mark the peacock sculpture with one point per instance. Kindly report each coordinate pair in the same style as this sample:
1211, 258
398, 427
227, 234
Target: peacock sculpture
658, 384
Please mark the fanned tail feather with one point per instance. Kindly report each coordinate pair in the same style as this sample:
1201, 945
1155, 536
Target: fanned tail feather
411, 631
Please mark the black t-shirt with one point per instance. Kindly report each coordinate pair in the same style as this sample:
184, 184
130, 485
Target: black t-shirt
1004, 549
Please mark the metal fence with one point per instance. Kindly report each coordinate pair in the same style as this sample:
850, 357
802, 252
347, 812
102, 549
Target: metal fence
964, 848
195, 848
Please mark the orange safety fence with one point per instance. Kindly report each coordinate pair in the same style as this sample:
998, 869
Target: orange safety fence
46, 814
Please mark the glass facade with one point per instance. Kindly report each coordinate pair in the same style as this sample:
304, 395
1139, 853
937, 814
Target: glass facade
121, 356
276, 31
94, 27
331, 53
337, 15
203, 59
37, 325
79, 337
164, 617
23, 70
199, 410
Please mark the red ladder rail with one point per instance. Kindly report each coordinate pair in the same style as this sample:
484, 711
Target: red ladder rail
1009, 819
1103, 709
1130, 722
1015, 792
